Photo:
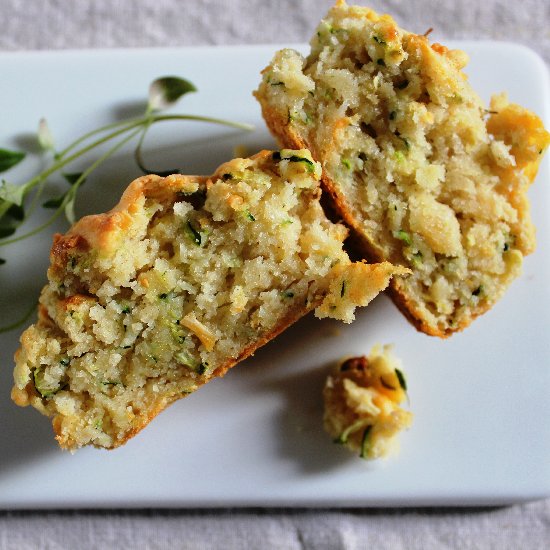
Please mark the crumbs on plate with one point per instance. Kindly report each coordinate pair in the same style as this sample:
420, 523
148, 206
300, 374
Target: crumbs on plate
362, 399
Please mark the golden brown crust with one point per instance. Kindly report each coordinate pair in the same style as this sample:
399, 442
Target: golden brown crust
63, 246
99, 231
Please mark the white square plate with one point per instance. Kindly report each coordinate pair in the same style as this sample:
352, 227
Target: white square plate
255, 438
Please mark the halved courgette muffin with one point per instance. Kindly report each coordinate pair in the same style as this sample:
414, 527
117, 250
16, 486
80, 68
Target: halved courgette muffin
422, 172
185, 277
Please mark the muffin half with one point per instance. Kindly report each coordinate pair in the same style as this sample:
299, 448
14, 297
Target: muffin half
185, 277
422, 172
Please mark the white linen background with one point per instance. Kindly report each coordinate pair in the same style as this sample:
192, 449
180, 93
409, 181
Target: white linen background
60, 24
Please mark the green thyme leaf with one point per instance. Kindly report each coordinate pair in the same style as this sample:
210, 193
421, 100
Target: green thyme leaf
6, 231
165, 91
16, 212
73, 177
8, 159
54, 203
295, 158
11, 220
12, 193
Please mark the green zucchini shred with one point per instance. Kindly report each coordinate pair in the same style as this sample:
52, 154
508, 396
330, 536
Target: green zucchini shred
346, 163
343, 289
401, 378
342, 439
295, 158
193, 234
403, 236
365, 442
38, 379
185, 359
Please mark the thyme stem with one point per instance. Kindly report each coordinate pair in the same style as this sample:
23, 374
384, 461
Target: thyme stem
70, 196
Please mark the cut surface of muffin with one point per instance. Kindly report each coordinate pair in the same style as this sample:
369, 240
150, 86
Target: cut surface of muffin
182, 279
421, 171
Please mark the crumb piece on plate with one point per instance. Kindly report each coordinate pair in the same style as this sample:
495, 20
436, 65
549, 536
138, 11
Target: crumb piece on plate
362, 403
